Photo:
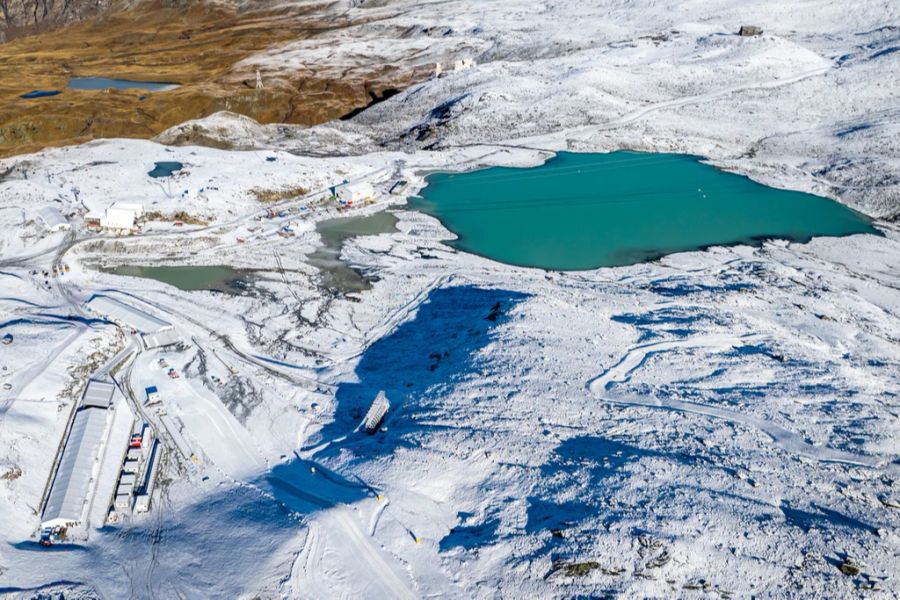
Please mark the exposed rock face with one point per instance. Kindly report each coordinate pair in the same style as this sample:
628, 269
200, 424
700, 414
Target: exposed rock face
749, 30
26, 17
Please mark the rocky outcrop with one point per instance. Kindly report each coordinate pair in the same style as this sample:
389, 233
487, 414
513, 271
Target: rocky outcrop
27, 17
749, 30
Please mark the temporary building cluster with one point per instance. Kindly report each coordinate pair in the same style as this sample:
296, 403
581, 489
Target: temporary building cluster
119, 216
77, 479
138, 474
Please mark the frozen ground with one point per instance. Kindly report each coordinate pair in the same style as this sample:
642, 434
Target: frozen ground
713, 424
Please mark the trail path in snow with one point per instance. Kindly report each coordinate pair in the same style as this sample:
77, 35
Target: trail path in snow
588, 131
788, 440
339, 514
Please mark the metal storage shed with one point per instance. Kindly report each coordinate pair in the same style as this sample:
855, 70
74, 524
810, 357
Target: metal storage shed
166, 337
98, 393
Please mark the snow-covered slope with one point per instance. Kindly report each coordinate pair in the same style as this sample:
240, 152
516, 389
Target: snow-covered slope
720, 423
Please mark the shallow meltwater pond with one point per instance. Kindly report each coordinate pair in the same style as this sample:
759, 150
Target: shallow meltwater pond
583, 211
102, 83
189, 277
336, 274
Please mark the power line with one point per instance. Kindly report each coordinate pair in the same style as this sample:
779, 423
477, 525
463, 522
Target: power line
578, 200
522, 173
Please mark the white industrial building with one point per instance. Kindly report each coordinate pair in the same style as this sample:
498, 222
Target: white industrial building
159, 339
53, 219
98, 394
354, 192
136, 207
126, 314
71, 488
119, 215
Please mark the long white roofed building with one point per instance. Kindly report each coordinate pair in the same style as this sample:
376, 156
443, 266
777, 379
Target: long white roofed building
126, 314
71, 490
154, 331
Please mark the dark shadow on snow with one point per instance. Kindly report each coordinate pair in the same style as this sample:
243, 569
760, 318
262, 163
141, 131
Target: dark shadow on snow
417, 364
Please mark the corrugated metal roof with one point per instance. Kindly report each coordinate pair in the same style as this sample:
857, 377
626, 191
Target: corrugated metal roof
73, 476
127, 314
166, 337
98, 393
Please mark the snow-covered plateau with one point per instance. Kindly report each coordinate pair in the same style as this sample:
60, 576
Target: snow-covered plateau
720, 423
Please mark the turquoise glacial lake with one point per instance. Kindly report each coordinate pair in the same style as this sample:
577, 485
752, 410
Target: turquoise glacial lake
583, 211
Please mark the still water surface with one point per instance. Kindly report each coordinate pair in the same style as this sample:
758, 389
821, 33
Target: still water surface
583, 211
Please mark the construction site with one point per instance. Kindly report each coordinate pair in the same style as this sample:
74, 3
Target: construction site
106, 465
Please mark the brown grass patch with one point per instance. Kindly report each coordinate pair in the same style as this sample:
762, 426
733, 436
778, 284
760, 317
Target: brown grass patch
181, 215
269, 196
195, 45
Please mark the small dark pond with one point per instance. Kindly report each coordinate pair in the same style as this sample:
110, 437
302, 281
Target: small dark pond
165, 169
40, 94
103, 83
